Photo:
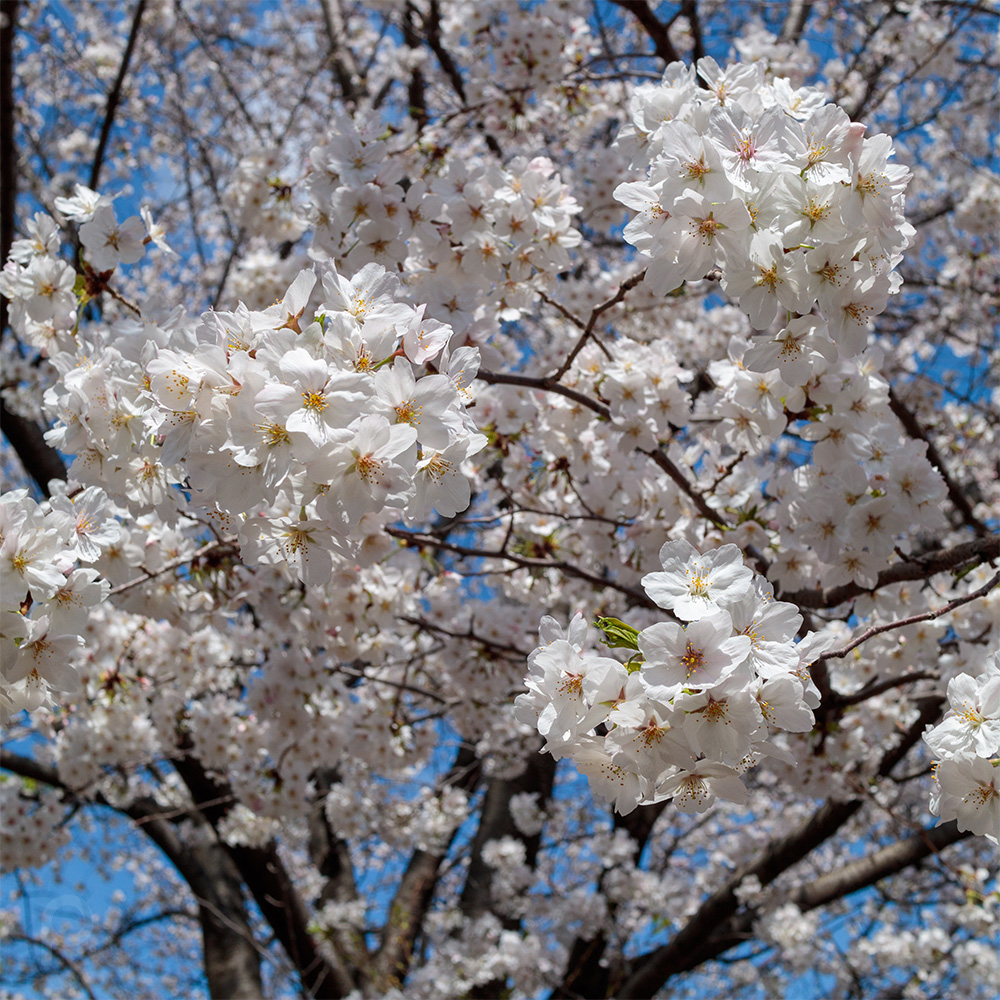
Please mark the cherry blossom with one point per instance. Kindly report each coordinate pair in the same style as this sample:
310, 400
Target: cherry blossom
533, 507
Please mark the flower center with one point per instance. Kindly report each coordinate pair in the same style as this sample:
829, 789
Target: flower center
693, 659
369, 468
314, 400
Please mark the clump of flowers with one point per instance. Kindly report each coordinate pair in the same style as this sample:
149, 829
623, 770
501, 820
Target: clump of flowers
967, 745
695, 705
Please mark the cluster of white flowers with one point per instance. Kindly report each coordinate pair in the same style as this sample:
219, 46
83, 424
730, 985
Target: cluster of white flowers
31, 830
47, 595
694, 708
776, 193
299, 430
288, 432
263, 200
476, 233
776, 188
967, 745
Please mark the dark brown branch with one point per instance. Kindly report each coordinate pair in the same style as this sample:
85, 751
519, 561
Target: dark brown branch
658, 31
963, 556
231, 955
432, 32
115, 94
416, 889
417, 86
926, 616
432, 541
867, 871
506, 649
70, 966
332, 857
587, 970
877, 687
851, 877
689, 11
588, 331
266, 877
495, 822
40, 460
659, 456
795, 20
706, 935
546, 385
349, 91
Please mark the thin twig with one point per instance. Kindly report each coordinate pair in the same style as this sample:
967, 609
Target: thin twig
623, 289
114, 95
227, 544
418, 539
926, 616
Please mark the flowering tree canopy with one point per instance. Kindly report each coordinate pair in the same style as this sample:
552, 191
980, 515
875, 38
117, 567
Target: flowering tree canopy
502, 499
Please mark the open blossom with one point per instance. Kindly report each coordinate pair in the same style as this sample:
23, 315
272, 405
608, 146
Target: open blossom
692, 585
698, 233
569, 689
109, 243
42, 658
697, 656
766, 280
368, 470
695, 789
972, 727
968, 791
749, 146
720, 722
439, 481
314, 402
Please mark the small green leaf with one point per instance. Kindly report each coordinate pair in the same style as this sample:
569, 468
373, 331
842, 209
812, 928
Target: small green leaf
635, 663
618, 635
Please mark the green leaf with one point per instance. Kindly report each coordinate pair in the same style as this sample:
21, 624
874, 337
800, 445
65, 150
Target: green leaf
618, 635
635, 663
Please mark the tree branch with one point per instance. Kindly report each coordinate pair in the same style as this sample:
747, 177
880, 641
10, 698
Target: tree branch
416, 888
231, 955
867, 871
345, 79
66, 963
795, 20
926, 616
332, 857
547, 385
431, 541
588, 331
114, 95
659, 456
40, 460
653, 26
265, 875
705, 935
968, 554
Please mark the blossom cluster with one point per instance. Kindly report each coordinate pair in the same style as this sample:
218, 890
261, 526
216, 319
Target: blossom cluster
50, 588
775, 188
696, 704
966, 744
472, 234
288, 425
31, 832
